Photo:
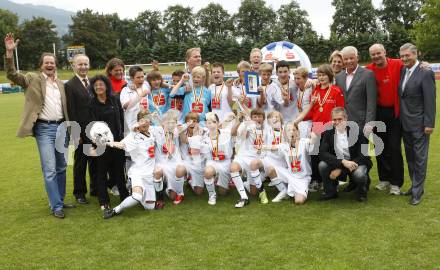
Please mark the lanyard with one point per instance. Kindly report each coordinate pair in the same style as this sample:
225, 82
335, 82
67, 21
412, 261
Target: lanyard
215, 149
274, 141
199, 97
322, 102
293, 158
300, 99
217, 96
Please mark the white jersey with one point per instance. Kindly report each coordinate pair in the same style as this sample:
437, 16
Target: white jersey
240, 90
289, 112
223, 146
303, 98
167, 145
141, 149
130, 114
298, 160
219, 100
251, 139
193, 148
274, 99
273, 138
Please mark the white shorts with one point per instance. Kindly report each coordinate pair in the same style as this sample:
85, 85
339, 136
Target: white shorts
245, 163
294, 184
147, 185
222, 169
169, 172
196, 171
271, 161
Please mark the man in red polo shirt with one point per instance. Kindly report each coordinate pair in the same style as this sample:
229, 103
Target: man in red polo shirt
390, 161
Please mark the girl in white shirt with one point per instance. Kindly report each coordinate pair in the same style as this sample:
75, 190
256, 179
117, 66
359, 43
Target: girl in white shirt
217, 148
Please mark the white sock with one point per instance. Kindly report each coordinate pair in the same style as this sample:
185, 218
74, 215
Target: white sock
209, 183
279, 184
238, 182
256, 176
128, 202
247, 186
179, 185
158, 184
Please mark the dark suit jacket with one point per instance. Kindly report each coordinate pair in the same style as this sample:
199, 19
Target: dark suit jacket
78, 102
417, 100
360, 97
327, 151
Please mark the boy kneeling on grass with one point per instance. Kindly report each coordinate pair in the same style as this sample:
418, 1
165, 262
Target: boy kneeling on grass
139, 143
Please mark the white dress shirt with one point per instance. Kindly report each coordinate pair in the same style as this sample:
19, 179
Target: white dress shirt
350, 77
408, 74
341, 146
52, 107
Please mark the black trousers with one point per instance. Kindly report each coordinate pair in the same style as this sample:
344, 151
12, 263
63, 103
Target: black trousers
358, 176
111, 163
390, 161
314, 161
80, 164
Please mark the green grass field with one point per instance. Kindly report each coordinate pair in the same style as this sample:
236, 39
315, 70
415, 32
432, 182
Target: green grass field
384, 233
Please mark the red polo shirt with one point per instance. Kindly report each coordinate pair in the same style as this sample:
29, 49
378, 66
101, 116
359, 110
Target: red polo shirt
117, 85
335, 99
387, 80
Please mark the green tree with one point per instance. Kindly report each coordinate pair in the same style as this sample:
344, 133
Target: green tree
352, 18
121, 28
214, 21
426, 32
94, 31
398, 18
294, 23
36, 36
8, 23
356, 23
255, 21
179, 24
147, 27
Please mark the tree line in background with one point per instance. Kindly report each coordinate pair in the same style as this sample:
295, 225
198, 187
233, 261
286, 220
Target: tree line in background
229, 38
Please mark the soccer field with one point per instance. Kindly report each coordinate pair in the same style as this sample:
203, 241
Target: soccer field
384, 233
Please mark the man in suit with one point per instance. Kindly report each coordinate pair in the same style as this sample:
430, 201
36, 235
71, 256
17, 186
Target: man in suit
417, 113
78, 107
343, 152
44, 112
360, 93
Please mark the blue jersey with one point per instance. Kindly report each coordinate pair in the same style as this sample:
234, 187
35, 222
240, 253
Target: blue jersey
190, 102
159, 100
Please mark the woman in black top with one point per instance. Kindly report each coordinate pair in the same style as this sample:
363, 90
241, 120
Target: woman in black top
105, 107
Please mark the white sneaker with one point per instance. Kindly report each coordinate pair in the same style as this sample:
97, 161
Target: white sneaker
383, 185
212, 200
394, 190
115, 191
281, 196
242, 203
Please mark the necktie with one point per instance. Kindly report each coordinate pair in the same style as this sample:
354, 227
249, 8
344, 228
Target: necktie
405, 80
86, 83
